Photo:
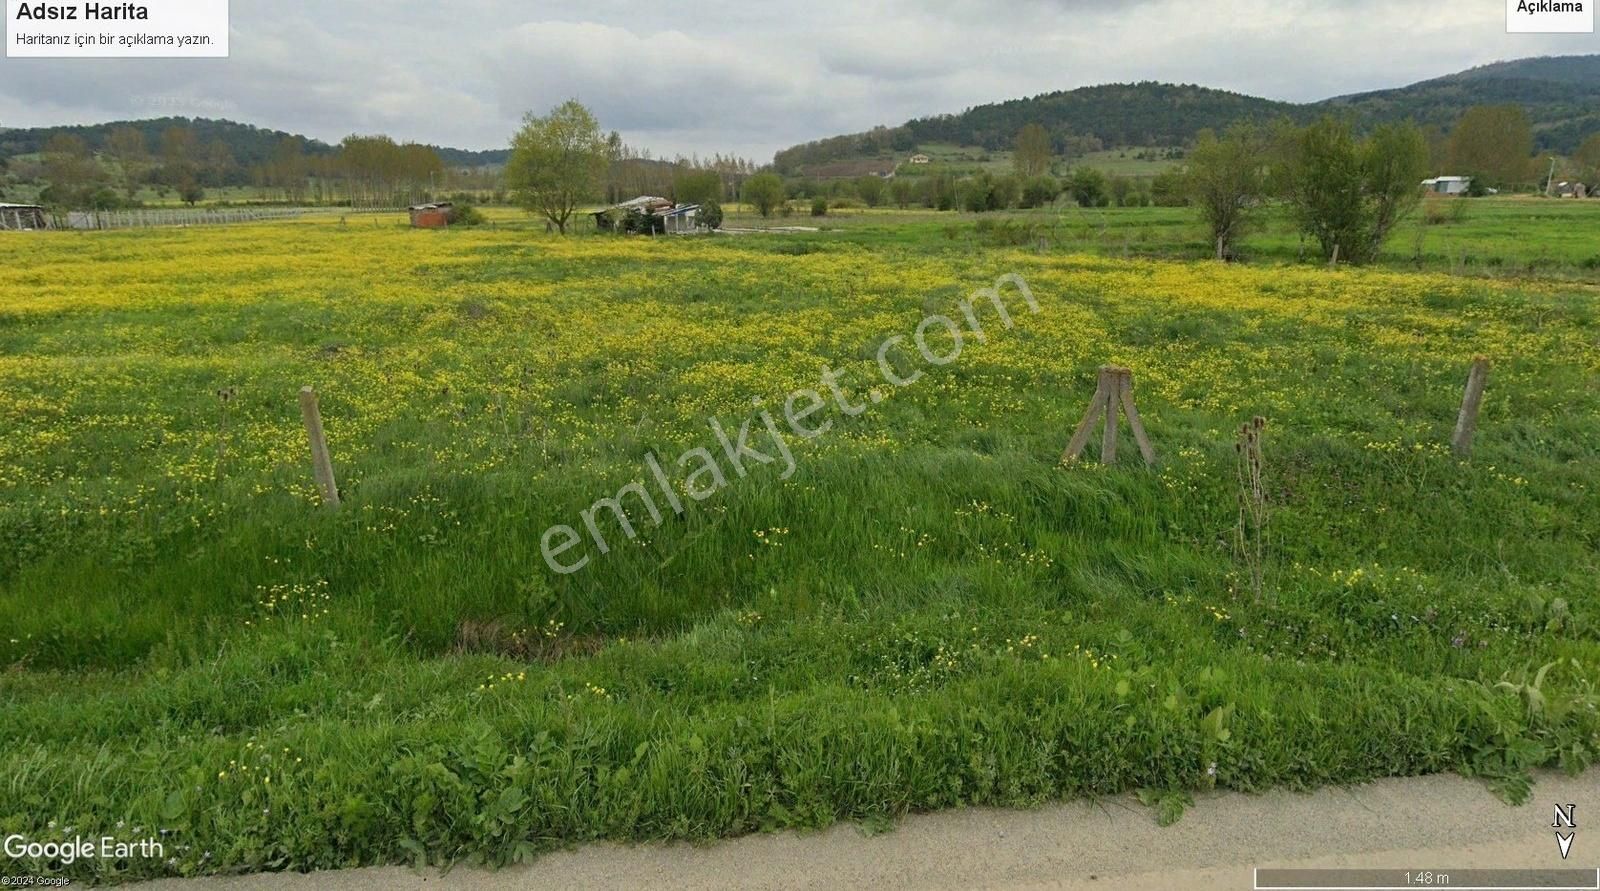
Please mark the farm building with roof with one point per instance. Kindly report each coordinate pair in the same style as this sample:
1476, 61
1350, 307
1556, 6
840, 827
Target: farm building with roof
23, 217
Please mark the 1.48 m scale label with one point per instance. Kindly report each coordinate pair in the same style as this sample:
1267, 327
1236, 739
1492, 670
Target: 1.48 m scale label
152, 28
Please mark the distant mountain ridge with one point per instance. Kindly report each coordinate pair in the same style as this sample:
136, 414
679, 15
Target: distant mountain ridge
1561, 95
247, 143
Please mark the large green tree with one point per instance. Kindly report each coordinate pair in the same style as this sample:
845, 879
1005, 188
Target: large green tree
557, 161
902, 191
126, 147
71, 170
764, 192
1348, 193
697, 187
1033, 151
1394, 160
1226, 181
1588, 160
1493, 141
871, 189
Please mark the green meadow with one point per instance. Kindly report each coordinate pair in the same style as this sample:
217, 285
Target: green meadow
925, 609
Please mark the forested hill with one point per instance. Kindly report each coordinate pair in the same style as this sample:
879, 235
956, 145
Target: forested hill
1146, 113
247, 144
1560, 93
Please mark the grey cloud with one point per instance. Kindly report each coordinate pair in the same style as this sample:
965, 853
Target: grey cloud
730, 75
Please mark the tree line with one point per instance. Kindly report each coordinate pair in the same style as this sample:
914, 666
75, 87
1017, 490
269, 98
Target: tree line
361, 170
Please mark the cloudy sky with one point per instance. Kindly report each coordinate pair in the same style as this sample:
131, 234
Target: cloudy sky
748, 77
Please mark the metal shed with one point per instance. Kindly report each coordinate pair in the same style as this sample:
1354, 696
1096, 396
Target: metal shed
680, 219
648, 214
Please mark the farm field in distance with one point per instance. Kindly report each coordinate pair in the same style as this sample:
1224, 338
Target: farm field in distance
929, 611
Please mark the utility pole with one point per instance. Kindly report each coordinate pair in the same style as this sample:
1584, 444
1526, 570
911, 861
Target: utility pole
1550, 181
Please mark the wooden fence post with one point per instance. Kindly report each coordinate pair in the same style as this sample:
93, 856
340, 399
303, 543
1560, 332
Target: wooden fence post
1334, 260
1113, 389
1135, 423
1111, 385
1080, 436
1467, 420
321, 463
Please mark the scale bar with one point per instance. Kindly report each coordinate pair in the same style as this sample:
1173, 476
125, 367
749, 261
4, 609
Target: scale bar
1414, 879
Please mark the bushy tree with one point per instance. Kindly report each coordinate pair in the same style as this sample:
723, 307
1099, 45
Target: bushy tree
870, 188
697, 187
710, 216
1004, 192
1394, 161
1588, 160
819, 206
983, 191
1033, 151
1495, 141
1121, 187
902, 191
974, 194
1348, 193
764, 192
1040, 191
941, 192
557, 161
1226, 181
1168, 189
1088, 187
71, 171
126, 147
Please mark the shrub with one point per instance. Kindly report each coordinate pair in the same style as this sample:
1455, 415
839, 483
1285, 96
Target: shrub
710, 216
819, 206
975, 195
765, 193
1121, 187
1168, 189
465, 215
1088, 187
1040, 191
1004, 191
871, 189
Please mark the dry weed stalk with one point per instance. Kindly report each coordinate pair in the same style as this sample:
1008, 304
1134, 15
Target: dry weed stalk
1250, 535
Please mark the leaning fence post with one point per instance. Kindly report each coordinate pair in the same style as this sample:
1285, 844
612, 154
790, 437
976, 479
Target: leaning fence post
1467, 421
1114, 387
1135, 423
321, 463
1080, 436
